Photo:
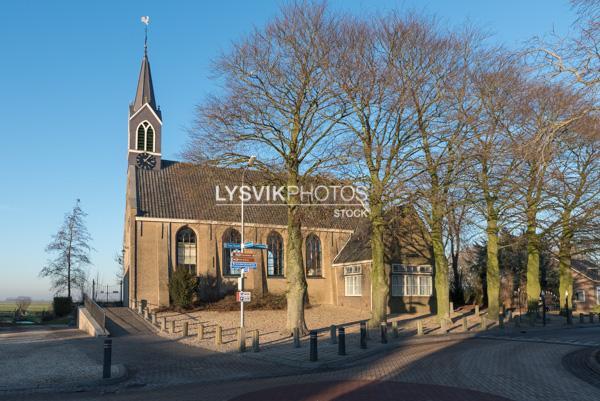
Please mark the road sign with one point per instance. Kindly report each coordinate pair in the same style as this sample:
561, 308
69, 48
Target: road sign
242, 260
243, 296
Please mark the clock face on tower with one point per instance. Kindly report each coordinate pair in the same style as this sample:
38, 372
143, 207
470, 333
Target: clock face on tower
146, 161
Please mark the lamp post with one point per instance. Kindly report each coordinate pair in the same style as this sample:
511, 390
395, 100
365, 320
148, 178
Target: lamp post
519, 302
543, 297
241, 279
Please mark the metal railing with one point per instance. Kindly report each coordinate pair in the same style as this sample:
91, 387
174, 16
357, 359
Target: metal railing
95, 310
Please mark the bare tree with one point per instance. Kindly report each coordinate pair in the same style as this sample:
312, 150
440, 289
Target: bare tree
277, 103
71, 244
496, 86
380, 127
433, 64
574, 191
546, 112
577, 57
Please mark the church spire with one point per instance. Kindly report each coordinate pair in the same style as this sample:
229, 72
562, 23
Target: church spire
145, 89
145, 120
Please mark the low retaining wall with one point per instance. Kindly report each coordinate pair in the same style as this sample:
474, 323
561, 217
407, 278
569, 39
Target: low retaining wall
86, 322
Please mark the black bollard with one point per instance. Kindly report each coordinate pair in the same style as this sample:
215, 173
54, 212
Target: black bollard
107, 359
363, 335
341, 341
313, 346
384, 338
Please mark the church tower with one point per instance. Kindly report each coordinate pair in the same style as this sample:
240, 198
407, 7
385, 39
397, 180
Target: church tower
145, 122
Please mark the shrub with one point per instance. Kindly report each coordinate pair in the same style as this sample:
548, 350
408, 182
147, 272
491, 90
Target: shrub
62, 306
182, 287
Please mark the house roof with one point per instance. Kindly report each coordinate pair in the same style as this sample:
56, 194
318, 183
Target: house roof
587, 268
358, 247
187, 191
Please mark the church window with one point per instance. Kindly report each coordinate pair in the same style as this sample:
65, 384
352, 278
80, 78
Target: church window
145, 137
274, 254
186, 250
232, 240
313, 256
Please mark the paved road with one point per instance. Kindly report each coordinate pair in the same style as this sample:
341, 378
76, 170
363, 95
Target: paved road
475, 369
451, 371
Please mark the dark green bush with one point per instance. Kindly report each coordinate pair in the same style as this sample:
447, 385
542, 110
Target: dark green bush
62, 306
182, 288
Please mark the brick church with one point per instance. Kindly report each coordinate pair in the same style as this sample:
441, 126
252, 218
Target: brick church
173, 221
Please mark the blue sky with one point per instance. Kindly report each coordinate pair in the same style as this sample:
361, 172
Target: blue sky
68, 71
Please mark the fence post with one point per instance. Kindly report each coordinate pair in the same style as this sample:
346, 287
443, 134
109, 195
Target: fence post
296, 334
483, 323
383, 329
242, 339
451, 311
419, 327
591, 317
218, 335
465, 324
146, 314
477, 311
341, 341
201, 332
153, 318
332, 335
163, 324
395, 329
185, 329
107, 359
580, 317
313, 346
363, 335
256, 341
501, 322
172, 326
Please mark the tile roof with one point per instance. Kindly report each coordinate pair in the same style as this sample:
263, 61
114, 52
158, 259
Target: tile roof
586, 267
187, 191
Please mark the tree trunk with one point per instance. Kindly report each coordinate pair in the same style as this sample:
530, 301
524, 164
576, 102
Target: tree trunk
564, 262
441, 264
533, 260
296, 279
379, 278
493, 269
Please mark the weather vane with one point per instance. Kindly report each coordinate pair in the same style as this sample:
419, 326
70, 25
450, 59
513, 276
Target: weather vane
145, 20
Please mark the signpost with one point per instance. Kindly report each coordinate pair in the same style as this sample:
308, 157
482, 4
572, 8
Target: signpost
242, 261
243, 296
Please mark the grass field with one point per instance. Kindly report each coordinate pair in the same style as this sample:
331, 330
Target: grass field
6, 306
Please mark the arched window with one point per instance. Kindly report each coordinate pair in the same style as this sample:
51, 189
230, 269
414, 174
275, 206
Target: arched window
313, 256
145, 137
274, 254
186, 249
231, 240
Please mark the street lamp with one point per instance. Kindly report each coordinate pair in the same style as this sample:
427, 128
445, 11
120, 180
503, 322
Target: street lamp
543, 297
519, 302
241, 279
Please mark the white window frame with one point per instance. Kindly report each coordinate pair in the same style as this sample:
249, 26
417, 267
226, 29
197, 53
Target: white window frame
353, 281
577, 297
137, 138
598, 295
403, 286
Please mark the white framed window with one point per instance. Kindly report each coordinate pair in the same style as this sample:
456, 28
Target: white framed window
145, 137
579, 296
411, 285
353, 281
597, 295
